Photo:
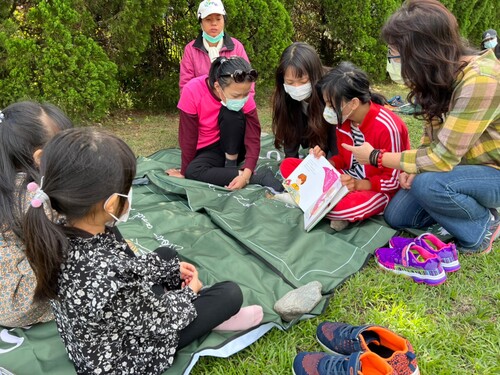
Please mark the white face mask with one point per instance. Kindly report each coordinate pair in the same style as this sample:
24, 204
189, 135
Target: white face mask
299, 93
394, 70
124, 217
331, 117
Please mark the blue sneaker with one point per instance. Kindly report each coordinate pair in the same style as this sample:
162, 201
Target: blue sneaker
344, 339
491, 236
312, 363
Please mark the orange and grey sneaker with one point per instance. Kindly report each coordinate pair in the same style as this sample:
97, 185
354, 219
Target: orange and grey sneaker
311, 363
342, 338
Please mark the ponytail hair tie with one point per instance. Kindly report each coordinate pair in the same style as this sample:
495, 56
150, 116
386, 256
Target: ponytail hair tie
40, 197
2, 116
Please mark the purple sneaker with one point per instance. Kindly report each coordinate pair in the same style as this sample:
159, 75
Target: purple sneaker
446, 252
414, 261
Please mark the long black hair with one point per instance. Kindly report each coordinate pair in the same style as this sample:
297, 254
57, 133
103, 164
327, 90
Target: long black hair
222, 67
346, 82
25, 127
287, 114
81, 168
427, 37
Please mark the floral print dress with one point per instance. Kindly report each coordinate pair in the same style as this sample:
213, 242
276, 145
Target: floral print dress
17, 279
108, 314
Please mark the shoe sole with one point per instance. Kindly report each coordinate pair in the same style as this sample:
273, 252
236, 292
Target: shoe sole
327, 349
419, 279
451, 267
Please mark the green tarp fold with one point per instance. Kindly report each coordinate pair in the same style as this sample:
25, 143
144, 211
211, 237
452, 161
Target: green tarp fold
241, 236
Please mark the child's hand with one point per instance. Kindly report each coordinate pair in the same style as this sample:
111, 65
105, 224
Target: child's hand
174, 172
187, 270
239, 182
349, 182
195, 283
354, 184
317, 152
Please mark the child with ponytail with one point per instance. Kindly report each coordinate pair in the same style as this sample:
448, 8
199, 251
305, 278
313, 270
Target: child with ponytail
116, 312
25, 127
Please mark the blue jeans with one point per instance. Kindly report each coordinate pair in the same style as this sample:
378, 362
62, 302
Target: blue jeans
458, 200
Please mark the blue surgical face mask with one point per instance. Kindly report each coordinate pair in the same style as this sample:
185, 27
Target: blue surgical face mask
235, 104
491, 43
213, 39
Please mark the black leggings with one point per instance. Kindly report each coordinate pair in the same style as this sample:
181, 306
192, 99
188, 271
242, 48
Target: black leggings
208, 164
214, 305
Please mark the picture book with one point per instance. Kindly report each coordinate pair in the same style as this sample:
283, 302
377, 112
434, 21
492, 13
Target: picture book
316, 188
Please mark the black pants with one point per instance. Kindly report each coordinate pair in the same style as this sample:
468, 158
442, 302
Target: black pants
214, 305
208, 164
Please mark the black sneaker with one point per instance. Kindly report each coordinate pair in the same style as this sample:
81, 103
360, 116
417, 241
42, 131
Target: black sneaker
492, 235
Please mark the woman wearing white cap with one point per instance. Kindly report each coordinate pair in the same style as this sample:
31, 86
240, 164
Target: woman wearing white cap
211, 43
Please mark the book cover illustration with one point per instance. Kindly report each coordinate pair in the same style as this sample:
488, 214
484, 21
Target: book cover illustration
316, 188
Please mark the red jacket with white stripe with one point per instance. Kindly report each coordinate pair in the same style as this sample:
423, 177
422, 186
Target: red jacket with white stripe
383, 130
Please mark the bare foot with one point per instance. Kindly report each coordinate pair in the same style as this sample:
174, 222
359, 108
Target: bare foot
174, 172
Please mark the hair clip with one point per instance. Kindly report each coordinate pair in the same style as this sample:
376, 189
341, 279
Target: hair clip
40, 197
2, 116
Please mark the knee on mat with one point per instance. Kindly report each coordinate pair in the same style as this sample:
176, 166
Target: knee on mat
193, 171
166, 252
393, 220
394, 216
427, 184
233, 295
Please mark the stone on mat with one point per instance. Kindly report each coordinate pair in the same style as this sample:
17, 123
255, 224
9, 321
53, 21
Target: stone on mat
299, 301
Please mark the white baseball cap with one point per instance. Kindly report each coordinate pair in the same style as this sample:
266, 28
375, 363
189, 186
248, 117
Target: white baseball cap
208, 7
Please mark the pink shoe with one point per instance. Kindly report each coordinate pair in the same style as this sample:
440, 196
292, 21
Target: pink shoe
413, 261
446, 252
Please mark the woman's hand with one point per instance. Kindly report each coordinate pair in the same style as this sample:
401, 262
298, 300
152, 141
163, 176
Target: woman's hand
239, 182
361, 153
317, 152
405, 180
174, 172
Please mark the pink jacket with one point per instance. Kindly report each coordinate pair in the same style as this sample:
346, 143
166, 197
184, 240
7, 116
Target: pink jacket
195, 61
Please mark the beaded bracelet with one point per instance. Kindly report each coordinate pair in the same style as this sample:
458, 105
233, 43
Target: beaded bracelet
379, 158
373, 158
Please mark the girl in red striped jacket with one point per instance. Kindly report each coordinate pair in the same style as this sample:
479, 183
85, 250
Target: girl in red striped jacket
358, 115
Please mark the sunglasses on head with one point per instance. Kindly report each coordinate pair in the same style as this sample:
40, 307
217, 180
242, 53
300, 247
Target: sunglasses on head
240, 76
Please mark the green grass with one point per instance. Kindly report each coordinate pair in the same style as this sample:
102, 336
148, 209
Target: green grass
454, 327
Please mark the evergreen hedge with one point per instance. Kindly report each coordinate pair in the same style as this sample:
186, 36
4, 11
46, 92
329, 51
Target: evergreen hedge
90, 55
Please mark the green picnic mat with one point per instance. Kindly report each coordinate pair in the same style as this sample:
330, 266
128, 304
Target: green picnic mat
241, 236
